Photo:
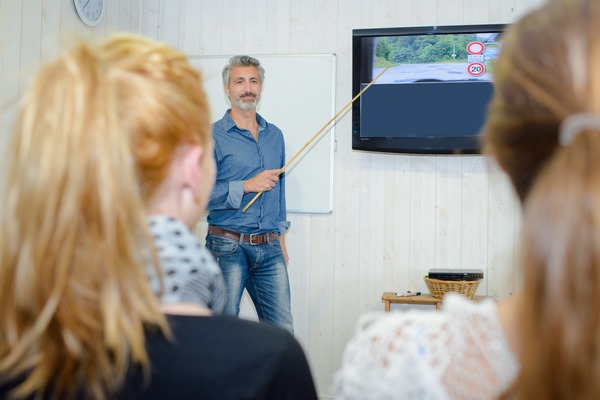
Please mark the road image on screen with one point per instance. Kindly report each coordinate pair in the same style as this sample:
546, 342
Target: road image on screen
435, 58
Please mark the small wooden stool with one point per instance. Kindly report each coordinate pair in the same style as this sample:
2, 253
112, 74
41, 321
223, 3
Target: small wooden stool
425, 298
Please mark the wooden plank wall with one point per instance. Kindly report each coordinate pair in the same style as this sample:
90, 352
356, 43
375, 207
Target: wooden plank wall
35, 30
395, 216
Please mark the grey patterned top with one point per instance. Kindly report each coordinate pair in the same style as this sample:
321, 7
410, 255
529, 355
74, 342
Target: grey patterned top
190, 274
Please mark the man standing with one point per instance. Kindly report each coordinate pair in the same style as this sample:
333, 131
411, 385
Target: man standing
250, 153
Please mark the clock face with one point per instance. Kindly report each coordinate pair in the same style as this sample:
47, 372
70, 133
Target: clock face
91, 12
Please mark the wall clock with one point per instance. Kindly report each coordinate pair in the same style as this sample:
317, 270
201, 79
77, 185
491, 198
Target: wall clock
91, 12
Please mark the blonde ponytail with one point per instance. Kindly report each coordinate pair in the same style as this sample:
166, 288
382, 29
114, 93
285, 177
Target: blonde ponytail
92, 141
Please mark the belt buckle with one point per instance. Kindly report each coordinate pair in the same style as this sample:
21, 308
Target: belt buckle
256, 236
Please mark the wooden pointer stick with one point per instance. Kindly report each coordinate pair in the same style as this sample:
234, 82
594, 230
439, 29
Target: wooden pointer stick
319, 132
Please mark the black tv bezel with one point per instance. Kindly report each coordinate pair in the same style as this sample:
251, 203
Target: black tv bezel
410, 144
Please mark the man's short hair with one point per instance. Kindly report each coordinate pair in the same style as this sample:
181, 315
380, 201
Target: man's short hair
242, 61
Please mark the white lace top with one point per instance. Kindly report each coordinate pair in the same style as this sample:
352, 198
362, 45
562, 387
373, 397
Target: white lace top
459, 352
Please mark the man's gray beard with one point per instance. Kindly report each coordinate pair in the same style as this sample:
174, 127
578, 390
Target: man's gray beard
246, 106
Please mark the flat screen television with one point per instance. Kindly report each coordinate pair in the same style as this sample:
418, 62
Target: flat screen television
433, 99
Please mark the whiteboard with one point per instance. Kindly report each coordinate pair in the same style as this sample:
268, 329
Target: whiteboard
298, 97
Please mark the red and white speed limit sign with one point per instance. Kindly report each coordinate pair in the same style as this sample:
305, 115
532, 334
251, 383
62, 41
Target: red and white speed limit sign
476, 69
475, 48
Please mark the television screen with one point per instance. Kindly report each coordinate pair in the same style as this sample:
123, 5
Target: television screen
434, 96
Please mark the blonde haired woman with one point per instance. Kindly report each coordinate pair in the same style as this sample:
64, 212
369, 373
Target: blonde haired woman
106, 136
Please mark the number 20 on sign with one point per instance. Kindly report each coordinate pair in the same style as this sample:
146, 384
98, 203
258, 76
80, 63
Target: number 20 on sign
476, 69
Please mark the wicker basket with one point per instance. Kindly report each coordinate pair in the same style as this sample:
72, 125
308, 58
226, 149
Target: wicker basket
439, 288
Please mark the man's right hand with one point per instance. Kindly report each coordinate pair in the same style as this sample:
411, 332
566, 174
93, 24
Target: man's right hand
264, 181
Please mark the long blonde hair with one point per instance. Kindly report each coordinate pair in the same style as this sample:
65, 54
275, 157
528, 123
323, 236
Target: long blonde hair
546, 72
92, 142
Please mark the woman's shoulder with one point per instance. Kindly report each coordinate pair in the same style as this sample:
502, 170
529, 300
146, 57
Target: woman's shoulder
233, 333
223, 357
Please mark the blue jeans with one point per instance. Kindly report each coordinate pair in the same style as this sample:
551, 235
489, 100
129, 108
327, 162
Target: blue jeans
261, 270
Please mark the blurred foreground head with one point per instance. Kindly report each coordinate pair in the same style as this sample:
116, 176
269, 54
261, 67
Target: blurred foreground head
544, 130
92, 143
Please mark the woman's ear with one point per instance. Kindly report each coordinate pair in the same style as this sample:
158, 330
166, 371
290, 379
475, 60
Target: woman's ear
179, 195
189, 166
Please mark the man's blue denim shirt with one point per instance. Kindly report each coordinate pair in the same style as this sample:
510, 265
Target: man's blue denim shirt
239, 157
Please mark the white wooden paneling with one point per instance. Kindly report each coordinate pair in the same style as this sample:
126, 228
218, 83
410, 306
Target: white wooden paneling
71, 28
31, 34
50, 45
125, 15
211, 21
475, 216
371, 213
397, 12
302, 26
150, 14
169, 22
299, 272
346, 234
322, 296
278, 26
396, 233
476, 12
424, 12
448, 212
524, 6
10, 48
325, 17
189, 26
503, 205
255, 31
502, 11
371, 217
451, 12
116, 19
422, 219
232, 26
517, 277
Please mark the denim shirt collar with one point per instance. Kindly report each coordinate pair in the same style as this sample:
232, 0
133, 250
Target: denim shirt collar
229, 124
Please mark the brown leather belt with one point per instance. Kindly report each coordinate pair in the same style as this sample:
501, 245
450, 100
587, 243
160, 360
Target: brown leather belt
252, 238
